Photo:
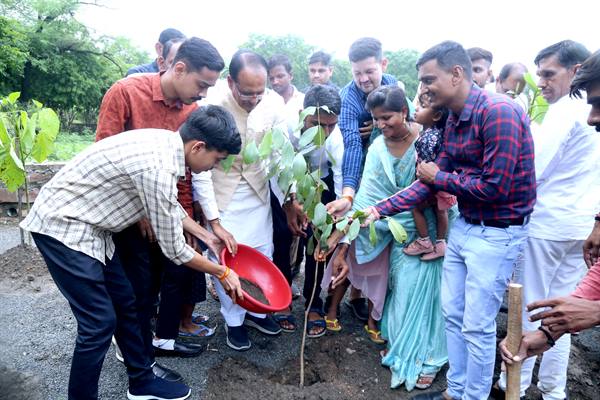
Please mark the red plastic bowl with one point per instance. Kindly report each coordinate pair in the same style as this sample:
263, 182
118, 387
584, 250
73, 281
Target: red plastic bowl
252, 265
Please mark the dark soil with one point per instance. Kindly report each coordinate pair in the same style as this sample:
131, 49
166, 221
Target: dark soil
337, 366
253, 290
23, 267
345, 365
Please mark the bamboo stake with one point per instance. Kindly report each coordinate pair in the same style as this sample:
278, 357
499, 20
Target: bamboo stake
513, 340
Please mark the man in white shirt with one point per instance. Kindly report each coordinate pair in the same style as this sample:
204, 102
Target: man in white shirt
242, 193
567, 160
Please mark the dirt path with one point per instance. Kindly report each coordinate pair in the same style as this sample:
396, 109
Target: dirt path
39, 331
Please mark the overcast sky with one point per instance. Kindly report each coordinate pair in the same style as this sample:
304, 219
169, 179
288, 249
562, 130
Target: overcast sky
513, 30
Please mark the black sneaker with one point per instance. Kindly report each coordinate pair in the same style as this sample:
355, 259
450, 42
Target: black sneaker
359, 308
165, 373
237, 338
266, 325
158, 389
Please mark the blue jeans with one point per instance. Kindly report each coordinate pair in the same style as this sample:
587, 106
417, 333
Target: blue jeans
478, 265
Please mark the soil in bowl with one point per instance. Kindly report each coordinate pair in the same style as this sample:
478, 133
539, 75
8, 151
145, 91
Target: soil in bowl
253, 290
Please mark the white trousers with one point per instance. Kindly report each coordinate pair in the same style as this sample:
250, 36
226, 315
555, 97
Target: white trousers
250, 222
550, 269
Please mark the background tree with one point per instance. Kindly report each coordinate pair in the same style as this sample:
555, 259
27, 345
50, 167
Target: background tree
402, 64
55, 59
293, 46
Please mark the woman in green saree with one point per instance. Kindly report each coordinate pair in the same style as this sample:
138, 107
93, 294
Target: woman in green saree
404, 291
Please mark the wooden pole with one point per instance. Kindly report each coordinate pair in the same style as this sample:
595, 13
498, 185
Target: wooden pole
513, 339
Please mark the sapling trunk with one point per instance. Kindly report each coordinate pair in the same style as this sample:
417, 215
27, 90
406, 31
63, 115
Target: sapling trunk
306, 312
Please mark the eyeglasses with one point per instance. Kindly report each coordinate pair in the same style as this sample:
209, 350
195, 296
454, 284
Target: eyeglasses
246, 96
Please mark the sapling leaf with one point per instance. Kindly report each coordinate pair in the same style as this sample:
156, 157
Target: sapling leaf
320, 217
320, 137
278, 138
227, 163
265, 148
250, 153
287, 155
299, 167
308, 136
354, 229
341, 224
397, 230
373, 234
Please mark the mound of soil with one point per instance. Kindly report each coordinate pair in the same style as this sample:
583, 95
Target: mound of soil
23, 267
337, 366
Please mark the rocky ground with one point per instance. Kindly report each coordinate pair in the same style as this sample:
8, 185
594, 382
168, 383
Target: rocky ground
38, 335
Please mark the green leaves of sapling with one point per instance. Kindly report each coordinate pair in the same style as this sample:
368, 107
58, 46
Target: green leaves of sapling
397, 230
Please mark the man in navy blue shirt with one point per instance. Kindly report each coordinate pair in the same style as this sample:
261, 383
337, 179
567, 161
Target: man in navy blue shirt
164, 37
368, 67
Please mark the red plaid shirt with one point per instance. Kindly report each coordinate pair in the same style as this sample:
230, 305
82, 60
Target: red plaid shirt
137, 102
486, 161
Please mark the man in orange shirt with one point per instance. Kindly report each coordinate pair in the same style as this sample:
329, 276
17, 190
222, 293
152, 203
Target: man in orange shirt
162, 100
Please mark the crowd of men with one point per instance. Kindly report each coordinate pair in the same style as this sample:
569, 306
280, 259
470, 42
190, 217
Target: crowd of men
123, 227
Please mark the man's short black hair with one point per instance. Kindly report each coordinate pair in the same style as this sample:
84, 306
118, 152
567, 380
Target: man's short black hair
213, 125
448, 54
320, 57
280, 59
587, 75
170, 34
477, 53
323, 95
199, 53
364, 48
246, 58
168, 45
568, 52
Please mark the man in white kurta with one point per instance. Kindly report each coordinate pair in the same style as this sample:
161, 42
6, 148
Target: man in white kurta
567, 160
242, 193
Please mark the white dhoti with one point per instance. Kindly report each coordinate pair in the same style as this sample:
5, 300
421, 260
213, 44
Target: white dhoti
250, 222
550, 269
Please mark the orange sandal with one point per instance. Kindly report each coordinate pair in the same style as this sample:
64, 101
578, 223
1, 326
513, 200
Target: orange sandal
374, 336
333, 325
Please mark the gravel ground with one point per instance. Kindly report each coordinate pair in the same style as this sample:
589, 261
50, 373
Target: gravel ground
38, 334
9, 237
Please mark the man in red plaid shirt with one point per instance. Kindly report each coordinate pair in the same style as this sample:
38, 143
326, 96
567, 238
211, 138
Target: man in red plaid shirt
487, 162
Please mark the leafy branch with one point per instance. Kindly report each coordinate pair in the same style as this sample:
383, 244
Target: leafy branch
26, 131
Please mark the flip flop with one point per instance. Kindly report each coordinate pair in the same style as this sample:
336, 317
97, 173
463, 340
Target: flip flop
203, 331
333, 325
289, 318
318, 323
429, 378
200, 319
374, 336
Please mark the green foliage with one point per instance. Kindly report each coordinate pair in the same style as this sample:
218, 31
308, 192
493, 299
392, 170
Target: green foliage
68, 145
293, 46
24, 132
52, 57
13, 53
401, 64
397, 230
537, 106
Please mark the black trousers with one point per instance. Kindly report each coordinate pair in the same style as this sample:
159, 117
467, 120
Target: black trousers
150, 272
282, 239
311, 272
103, 303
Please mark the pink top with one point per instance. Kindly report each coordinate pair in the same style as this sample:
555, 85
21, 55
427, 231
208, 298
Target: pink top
589, 288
